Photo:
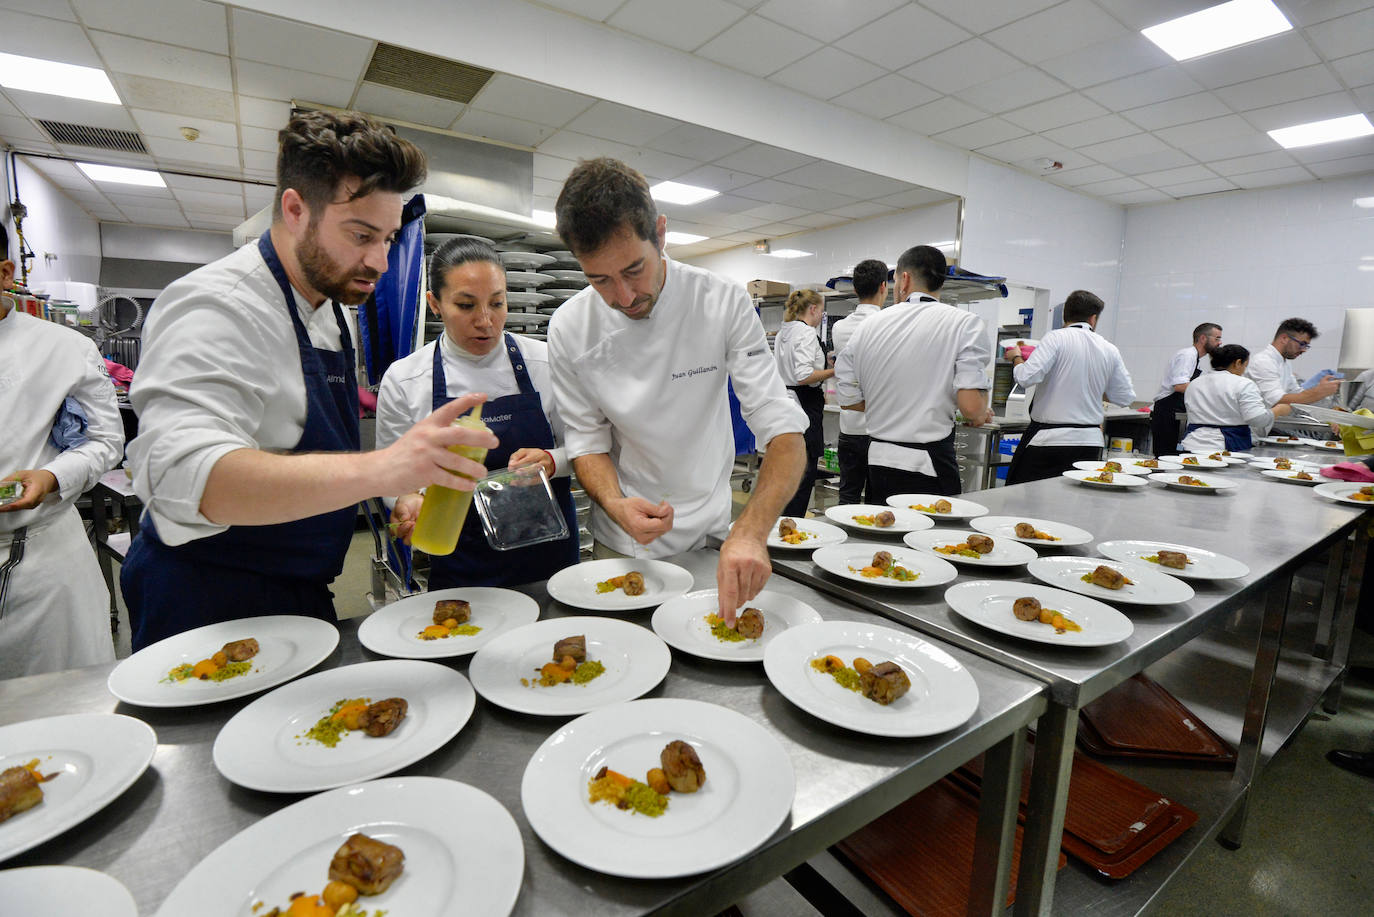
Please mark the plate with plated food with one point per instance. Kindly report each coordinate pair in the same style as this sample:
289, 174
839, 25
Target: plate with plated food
1108, 480
619, 584
1283, 464
871, 679
1330, 445
1039, 613
1294, 441
1115, 466
1175, 559
57, 771
343, 725
692, 623
446, 622
1147, 464
879, 565
1291, 476
1040, 532
974, 549
1117, 582
222, 661
879, 520
1351, 492
1212, 461
658, 788
938, 507
392, 845
1193, 481
64, 890
792, 534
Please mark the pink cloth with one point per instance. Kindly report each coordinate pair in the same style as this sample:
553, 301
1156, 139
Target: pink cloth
119, 372
367, 401
1026, 350
1349, 471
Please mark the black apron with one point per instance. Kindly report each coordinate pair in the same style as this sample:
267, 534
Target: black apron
1163, 419
1237, 436
518, 421
250, 570
1034, 463
812, 401
884, 482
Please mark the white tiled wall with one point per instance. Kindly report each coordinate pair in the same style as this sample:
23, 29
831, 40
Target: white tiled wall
1246, 260
55, 226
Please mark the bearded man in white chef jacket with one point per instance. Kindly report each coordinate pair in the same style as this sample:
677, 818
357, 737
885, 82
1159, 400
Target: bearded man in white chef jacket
639, 362
53, 602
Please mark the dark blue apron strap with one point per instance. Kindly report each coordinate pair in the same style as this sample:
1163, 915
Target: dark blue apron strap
517, 365
269, 254
438, 382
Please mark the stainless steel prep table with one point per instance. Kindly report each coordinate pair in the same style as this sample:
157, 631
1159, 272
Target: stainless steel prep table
1269, 525
181, 809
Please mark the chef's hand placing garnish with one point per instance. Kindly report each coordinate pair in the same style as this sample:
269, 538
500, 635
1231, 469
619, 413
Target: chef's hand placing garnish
642, 520
743, 569
404, 515
540, 457
421, 456
38, 483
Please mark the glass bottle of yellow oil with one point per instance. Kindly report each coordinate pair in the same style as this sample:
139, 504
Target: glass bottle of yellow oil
445, 509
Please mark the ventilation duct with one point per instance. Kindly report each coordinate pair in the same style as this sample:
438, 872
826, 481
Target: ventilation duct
426, 74
99, 137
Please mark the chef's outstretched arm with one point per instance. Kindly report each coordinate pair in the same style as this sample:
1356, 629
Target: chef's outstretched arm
744, 565
643, 521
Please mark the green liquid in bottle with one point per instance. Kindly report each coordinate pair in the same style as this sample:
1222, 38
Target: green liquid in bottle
445, 509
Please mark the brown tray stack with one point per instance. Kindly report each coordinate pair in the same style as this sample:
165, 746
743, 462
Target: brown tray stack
921, 853
1139, 719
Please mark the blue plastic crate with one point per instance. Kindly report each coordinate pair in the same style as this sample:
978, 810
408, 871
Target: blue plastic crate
1007, 446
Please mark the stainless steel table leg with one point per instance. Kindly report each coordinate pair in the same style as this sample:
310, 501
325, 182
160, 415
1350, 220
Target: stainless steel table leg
1331, 595
1257, 705
1049, 795
994, 840
1343, 622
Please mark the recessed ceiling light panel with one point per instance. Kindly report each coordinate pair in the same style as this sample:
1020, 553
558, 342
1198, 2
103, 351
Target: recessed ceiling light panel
54, 78
119, 175
671, 192
1218, 27
1328, 131
789, 253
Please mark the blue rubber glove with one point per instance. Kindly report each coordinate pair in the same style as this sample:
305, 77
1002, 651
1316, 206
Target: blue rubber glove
1316, 379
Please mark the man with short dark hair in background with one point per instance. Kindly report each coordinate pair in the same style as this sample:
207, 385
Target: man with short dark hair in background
1186, 365
870, 286
1274, 377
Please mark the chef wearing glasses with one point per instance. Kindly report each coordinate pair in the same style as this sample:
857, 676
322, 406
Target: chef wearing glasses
1274, 378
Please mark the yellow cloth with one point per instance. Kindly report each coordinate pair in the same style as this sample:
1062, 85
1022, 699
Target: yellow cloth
1358, 440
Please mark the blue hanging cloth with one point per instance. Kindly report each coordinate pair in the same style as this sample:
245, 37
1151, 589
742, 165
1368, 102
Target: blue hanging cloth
386, 324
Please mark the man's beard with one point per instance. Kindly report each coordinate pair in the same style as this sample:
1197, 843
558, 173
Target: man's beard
325, 275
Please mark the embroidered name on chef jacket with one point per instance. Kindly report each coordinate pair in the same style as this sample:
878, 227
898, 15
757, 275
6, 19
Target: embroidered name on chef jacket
689, 373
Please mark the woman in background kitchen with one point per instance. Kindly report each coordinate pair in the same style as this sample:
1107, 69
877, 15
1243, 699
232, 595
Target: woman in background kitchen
1225, 407
801, 363
468, 291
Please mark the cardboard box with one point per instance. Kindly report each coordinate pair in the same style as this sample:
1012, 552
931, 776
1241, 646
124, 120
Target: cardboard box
768, 288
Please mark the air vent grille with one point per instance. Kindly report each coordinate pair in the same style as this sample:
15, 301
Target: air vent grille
102, 137
426, 74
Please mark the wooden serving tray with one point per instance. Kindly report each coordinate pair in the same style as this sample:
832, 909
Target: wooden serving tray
1140, 719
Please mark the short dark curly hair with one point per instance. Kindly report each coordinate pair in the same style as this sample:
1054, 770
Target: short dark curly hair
598, 198
869, 277
1297, 326
319, 149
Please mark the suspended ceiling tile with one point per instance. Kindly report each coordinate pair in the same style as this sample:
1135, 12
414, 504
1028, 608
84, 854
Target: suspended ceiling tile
1067, 109
169, 218
768, 191
1012, 91
903, 37
826, 21
1154, 162
1335, 168
198, 154
1231, 147
816, 220
1248, 62
1343, 150
189, 23
161, 124
273, 40
827, 73
1284, 87
267, 113
530, 101
1148, 196
401, 104
135, 196
62, 174
261, 163
1176, 176
179, 183
717, 178
1357, 69
698, 142
596, 10
915, 197
1096, 130
499, 127
941, 115
1331, 105
758, 46
1057, 31
1115, 150
260, 138
1266, 179
684, 26
7, 107
1344, 36
981, 133
1210, 186
723, 204
21, 131
205, 202
1256, 163
1137, 15
1196, 107
554, 168
53, 9
1107, 61
207, 223
153, 94
1364, 95
269, 82
862, 209
1114, 186
983, 15
735, 221
659, 166
1144, 89
546, 187
765, 160
73, 111
48, 39
621, 123
569, 144
886, 96
964, 65
1023, 148
1086, 175
844, 180
256, 197
772, 213
815, 200
778, 229
164, 62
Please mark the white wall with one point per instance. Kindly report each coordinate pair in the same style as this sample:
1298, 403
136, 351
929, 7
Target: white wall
1246, 260
55, 225
119, 240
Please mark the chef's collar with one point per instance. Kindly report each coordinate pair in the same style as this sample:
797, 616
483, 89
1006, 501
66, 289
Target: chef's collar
449, 348
921, 298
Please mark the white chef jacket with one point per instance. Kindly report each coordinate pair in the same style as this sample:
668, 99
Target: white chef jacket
1181, 368
1075, 368
1362, 391
798, 352
907, 362
1271, 374
220, 371
57, 610
852, 423
1225, 399
650, 393
406, 396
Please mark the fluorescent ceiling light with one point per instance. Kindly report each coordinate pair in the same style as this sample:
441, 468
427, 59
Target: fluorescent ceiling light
789, 253
1218, 27
671, 192
121, 176
684, 238
544, 218
1328, 131
1365, 202
56, 79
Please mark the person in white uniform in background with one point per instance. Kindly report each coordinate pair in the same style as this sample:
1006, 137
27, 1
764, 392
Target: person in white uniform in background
1226, 409
870, 286
1362, 392
909, 368
1075, 369
1274, 377
54, 606
640, 360
801, 363
1186, 365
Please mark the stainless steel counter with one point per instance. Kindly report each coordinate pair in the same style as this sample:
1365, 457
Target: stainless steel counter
181, 809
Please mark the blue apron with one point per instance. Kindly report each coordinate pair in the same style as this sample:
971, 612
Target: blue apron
518, 422
250, 570
1237, 437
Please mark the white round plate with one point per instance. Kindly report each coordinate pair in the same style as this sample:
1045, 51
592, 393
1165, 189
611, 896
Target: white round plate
1205, 564
517, 298
681, 622
1267, 464
33, 891
463, 852
1287, 477
569, 278
1330, 445
1005, 552
1150, 587
1340, 492
1127, 466
263, 746
1203, 462
289, 645
747, 794
526, 318
576, 585
1005, 527
960, 509
1294, 441
528, 279
1119, 482
635, 659
989, 604
392, 631
943, 694
560, 293
1240, 455
1133, 461
822, 534
97, 756
1214, 483
523, 261
907, 520
847, 559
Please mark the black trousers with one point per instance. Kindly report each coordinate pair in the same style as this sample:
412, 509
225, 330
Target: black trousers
1035, 463
1164, 426
813, 403
853, 455
884, 482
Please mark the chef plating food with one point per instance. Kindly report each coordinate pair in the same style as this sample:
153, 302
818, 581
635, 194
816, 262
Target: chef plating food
1225, 407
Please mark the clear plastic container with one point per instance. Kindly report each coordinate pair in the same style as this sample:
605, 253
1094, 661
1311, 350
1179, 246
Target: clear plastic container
10, 491
517, 508
445, 509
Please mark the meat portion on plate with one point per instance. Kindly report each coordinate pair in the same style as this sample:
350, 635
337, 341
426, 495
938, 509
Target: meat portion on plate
383, 717
884, 682
240, 650
1026, 608
682, 767
980, 543
19, 791
1108, 577
367, 864
576, 647
1175, 559
456, 610
750, 623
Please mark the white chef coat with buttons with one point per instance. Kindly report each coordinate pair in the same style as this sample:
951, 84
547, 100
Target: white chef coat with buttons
1181, 369
907, 363
1075, 368
852, 423
220, 370
798, 352
1271, 374
651, 394
1226, 400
